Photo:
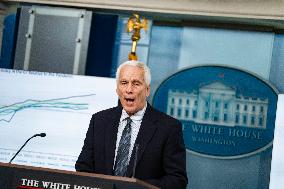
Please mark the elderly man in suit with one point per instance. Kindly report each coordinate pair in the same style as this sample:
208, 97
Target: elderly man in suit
135, 136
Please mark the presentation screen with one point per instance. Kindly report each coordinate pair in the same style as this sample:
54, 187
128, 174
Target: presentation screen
60, 105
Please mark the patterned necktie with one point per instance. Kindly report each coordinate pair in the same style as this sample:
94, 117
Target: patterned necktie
121, 162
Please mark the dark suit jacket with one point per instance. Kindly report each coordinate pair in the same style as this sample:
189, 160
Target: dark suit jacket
161, 155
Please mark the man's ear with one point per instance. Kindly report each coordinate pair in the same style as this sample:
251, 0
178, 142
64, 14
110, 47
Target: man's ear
148, 89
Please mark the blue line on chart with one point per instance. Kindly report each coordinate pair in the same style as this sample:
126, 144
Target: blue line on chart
8, 112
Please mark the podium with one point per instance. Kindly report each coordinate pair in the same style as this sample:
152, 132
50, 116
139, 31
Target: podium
26, 177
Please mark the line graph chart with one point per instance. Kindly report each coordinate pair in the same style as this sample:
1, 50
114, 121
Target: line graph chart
8, 112
59, 105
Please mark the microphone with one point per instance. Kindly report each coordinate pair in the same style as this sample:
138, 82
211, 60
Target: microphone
36, 135
41, 135
135, 160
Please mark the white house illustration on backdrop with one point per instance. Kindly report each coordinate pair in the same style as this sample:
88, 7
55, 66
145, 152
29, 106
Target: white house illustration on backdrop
218, 104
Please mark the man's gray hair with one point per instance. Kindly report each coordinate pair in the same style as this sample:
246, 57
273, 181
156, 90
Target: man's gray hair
147, 73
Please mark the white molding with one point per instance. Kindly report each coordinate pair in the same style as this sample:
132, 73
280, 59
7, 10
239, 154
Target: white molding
257, 9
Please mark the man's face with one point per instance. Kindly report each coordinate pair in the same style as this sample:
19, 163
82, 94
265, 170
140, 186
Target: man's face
132, 89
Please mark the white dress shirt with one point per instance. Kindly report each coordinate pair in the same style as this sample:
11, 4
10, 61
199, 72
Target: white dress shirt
135, 126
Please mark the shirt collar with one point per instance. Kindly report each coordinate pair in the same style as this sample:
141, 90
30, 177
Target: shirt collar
138, 116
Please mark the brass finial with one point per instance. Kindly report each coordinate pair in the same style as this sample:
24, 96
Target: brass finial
134, 25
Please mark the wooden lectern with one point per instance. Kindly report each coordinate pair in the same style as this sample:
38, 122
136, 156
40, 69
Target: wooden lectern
26, 177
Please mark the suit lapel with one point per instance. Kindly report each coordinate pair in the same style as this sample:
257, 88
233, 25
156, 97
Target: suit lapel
146, 132
110, 138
